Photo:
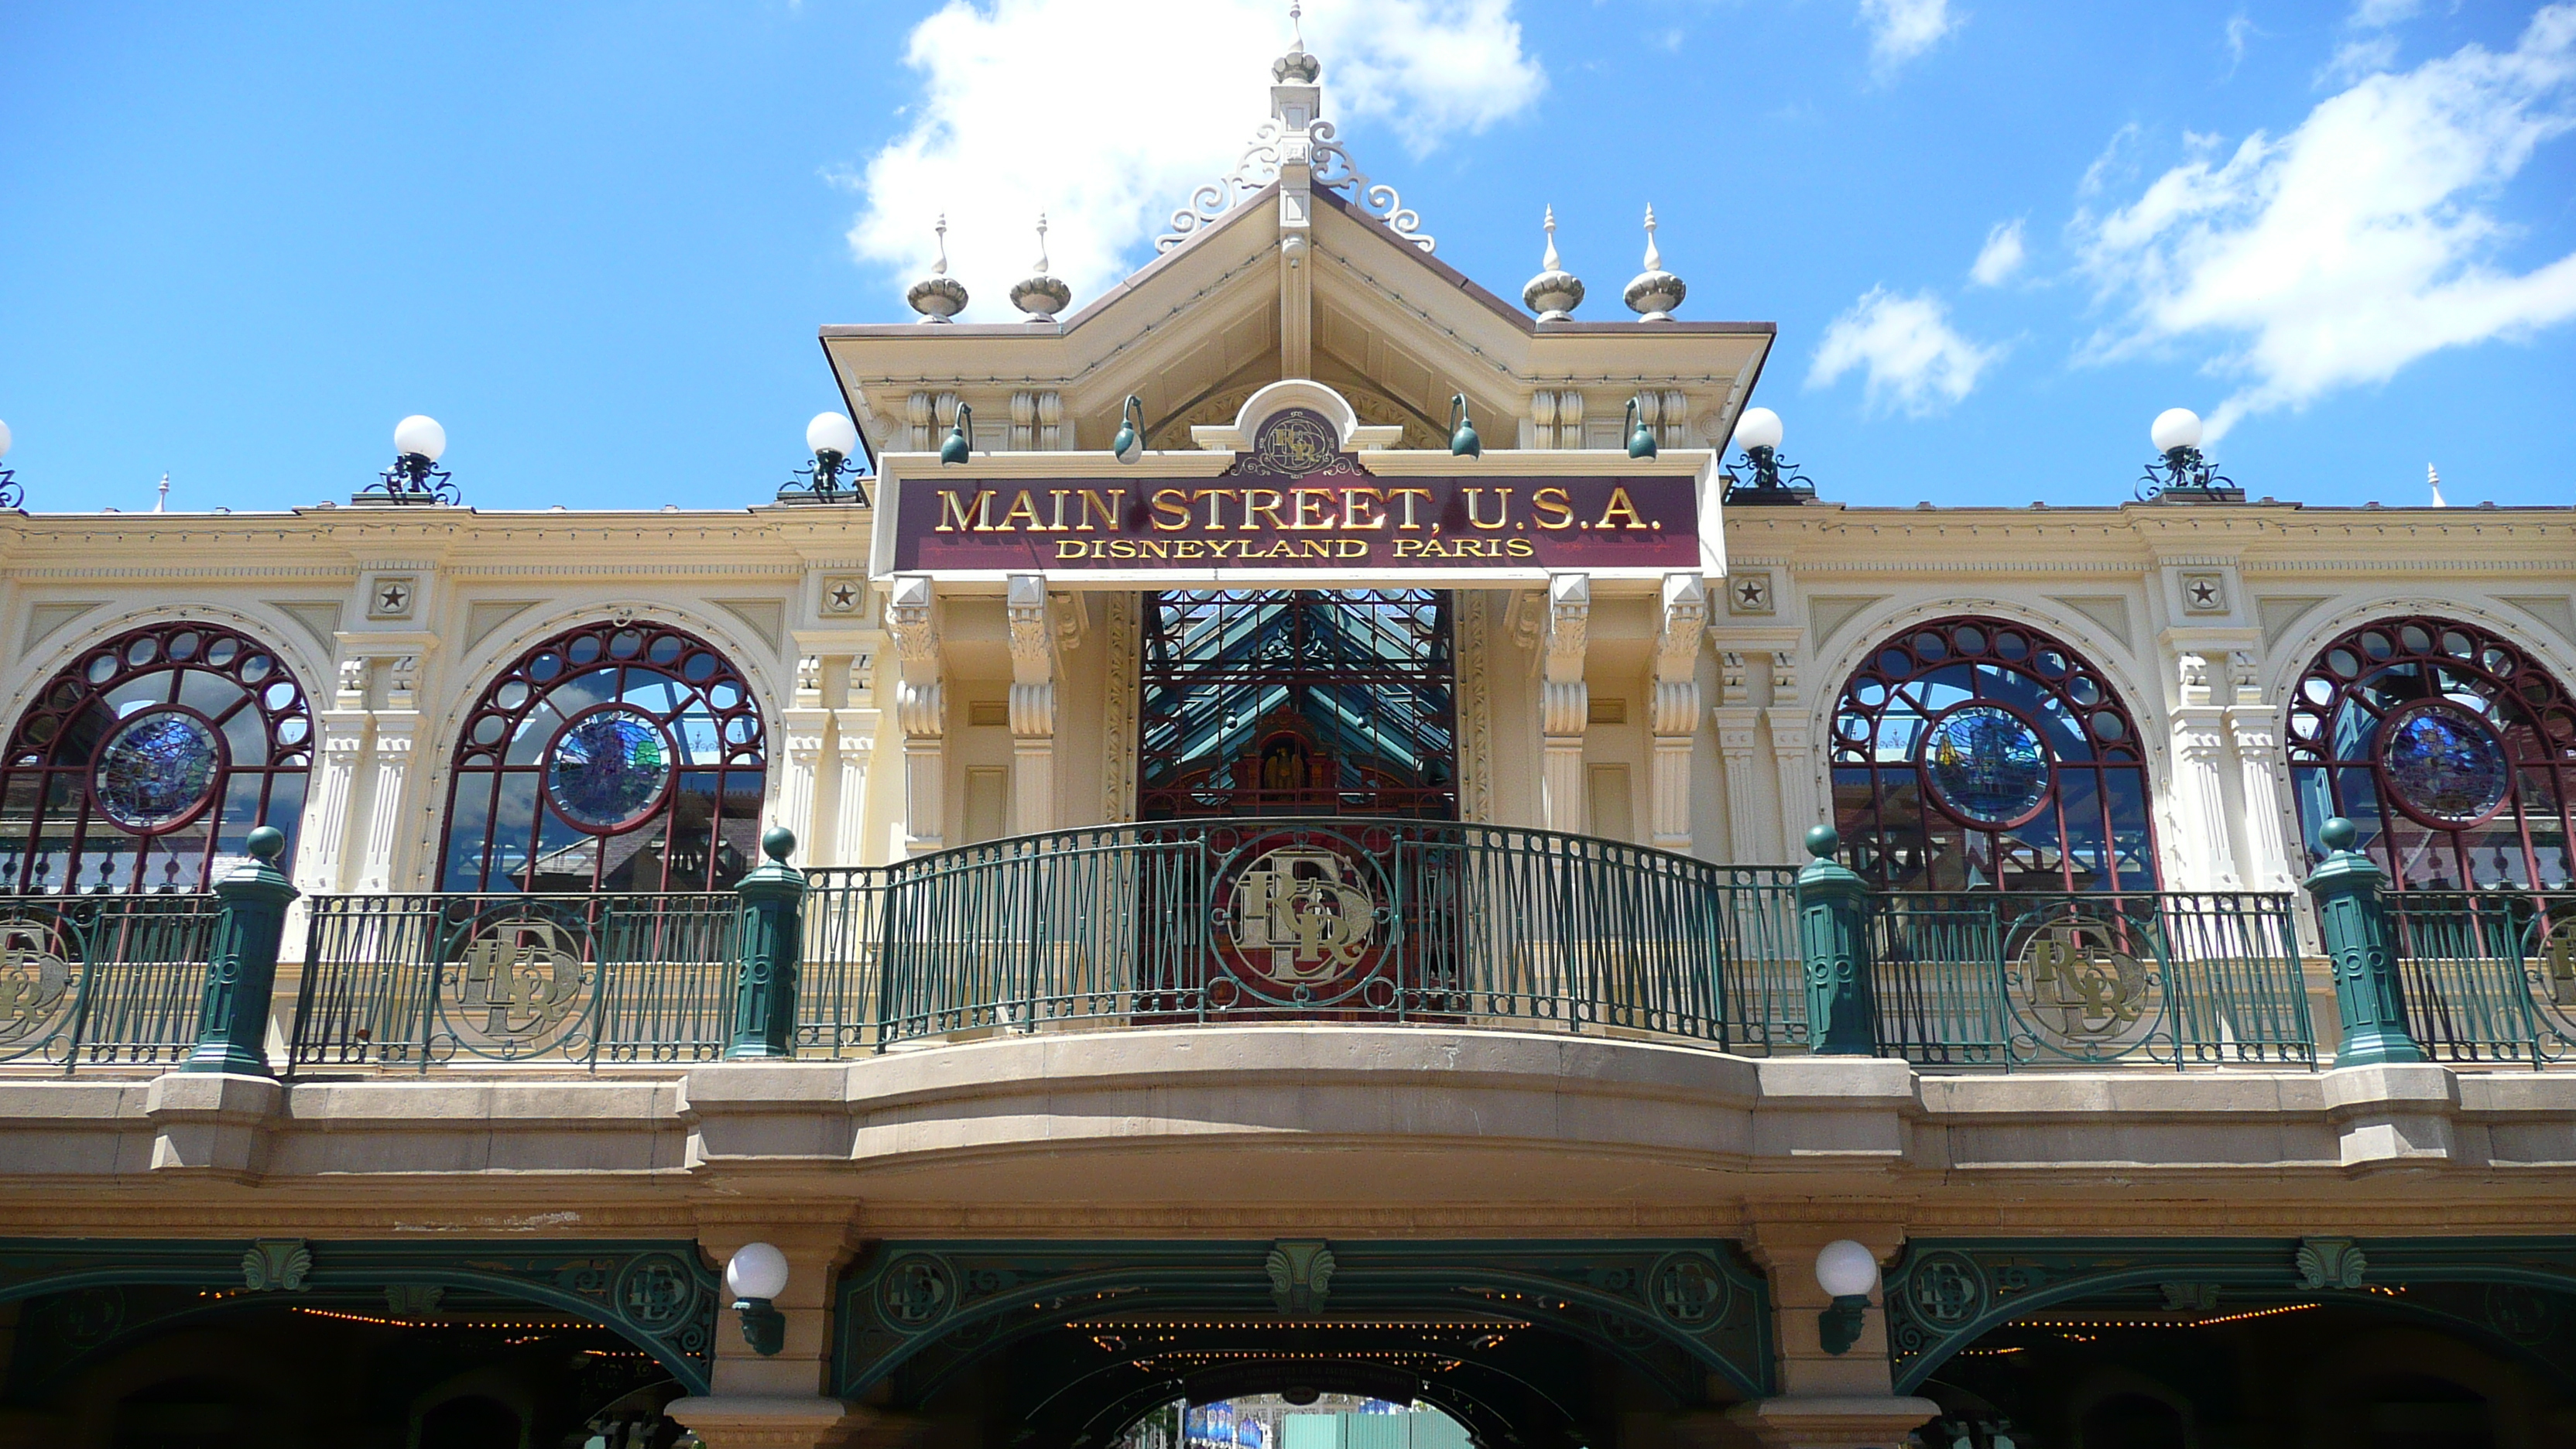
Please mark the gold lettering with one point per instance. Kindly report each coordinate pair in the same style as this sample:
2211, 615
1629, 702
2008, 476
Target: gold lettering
1501, 518
1216, 515
1311, 501
1107, 506
1351, 547
1317, 547
1189, 548
956, 514
1067, 549
1059, 526
1620, 503
1354, 500
1155, 548
1254, 508
1408, 495
1122, 548
1520, 548
1022, 507
1174, 502
1552, 503
984, 511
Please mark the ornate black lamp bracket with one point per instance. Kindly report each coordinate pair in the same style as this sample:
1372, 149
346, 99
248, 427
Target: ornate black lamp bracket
413, 479
2186, 477
822, 483
1767, 478
11, 495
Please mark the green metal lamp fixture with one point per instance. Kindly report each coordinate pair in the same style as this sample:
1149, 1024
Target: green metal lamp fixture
1846, 1271
957, 449
1463, 441
1641, 438
756, 1275
1129, 445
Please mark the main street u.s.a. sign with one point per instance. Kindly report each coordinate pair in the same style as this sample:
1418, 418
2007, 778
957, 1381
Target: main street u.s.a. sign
1297, 506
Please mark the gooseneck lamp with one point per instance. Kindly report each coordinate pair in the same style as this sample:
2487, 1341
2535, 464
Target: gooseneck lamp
1129, 445
755, 1276
1641, 438
1463, 441
957, 449
1846, 1271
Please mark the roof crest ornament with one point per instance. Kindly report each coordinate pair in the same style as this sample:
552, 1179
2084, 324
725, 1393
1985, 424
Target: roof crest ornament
939, 296
1654, 292
1041, 294
1295, 143
1555, 292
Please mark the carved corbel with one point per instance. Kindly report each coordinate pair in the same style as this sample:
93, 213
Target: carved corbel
1676, 713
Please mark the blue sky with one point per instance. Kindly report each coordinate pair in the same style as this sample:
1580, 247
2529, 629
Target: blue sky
238, 242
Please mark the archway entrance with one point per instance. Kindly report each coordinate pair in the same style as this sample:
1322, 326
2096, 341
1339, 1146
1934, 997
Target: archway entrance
1543, 1345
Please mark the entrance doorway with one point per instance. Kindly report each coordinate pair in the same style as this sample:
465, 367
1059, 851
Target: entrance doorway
1298, 702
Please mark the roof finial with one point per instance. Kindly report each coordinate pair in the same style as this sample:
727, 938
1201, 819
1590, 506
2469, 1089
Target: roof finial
1554, 293
1040, 294
162, 503
939, 296
1296, 66
2435, 481
1654, 293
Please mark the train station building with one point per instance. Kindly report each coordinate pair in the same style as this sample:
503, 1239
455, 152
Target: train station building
1305, 828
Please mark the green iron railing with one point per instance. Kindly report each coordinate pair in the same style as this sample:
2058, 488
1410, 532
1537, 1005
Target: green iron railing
1335, 919
2488, 976
417, 979
104, 979
844, 927
2010, 979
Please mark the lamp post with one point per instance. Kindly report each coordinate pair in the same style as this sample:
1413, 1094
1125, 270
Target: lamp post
833, 440
1847, 1271
2187, 476
755, 1276
1769, 478
415, 476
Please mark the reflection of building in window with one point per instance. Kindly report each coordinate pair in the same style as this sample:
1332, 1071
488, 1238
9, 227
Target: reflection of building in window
2452, 750
1288, 702
1974, 754
611, 757
144, 765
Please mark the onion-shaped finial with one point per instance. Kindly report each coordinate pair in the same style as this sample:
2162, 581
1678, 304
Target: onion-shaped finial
938, 297
1039, 294
1554, 293
1654, 292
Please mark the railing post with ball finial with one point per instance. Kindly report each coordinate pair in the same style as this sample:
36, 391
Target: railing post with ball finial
771, 946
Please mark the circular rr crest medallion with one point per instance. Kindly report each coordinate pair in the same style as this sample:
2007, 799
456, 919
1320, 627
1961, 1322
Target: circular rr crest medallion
1303, 920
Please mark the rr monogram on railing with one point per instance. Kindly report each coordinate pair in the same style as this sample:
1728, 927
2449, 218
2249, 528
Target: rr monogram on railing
2073, 971
525, 977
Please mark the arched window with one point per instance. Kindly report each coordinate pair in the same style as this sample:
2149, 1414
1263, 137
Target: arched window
148, 761
2453, 751
1972, 754
612, 757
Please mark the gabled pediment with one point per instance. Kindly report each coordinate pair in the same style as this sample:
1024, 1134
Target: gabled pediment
1297, 280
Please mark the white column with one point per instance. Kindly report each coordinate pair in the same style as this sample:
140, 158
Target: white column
1032, 705
921, 711
857, 748
1793, 754
2208, 850
389, 803
322, 848
1676, 712
2268, 864
1565, 703
1737, 726
803, 731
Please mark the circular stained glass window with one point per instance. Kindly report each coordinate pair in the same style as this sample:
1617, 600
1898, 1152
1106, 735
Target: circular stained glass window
608, 770
2445, 765
156, 769
1986, 764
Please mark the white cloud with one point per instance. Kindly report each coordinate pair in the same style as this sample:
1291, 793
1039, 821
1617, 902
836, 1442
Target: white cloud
2359, 242
2001, 256
1900, 30
2240, 29
2384, 12
1106, 113
1911, 357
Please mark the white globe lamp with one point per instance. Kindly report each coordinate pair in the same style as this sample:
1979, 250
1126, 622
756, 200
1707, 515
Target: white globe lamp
1846, 1271
755, 1274
1757, 428
832, 433
2175, 428
418, 436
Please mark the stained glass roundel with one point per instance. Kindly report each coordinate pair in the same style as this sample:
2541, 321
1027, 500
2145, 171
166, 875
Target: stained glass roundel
1987, 764
607, 769
156, 769
2445, 765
